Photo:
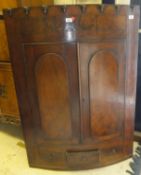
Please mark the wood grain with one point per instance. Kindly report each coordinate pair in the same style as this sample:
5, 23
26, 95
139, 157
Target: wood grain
76, 83
53, 94
104, 87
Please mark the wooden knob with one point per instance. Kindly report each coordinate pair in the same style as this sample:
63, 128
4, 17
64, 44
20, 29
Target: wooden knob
26, 10
117, 8
64, 8
45, 9
9, 11
83, 8
101, 8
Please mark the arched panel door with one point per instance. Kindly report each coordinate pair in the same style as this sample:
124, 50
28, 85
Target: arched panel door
102, 92
53, 92
53, 96
105, 99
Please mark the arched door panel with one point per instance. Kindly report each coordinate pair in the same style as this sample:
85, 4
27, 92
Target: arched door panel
53, 96
102, 90
105, 116
53, 92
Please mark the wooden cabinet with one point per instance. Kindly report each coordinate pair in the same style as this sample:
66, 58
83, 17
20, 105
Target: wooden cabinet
75, 74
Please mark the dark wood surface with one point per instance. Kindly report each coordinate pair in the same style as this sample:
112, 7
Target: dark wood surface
76, 82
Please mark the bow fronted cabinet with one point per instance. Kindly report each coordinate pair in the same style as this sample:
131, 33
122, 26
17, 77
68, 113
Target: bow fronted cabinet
75, 74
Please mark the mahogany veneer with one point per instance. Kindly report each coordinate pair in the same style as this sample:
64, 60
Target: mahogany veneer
75, 75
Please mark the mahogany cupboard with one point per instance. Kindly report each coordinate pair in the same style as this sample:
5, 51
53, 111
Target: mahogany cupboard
75, 75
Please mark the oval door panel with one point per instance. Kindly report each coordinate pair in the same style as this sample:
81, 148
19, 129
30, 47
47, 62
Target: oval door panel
104, 95
53, 96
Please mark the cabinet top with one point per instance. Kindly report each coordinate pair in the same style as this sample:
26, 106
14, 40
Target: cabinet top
72, 22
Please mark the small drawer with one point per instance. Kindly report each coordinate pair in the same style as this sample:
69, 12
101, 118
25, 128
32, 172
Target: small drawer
82, 159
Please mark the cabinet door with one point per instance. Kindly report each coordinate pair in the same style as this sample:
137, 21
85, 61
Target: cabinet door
53, 96
8, 100
102, 82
